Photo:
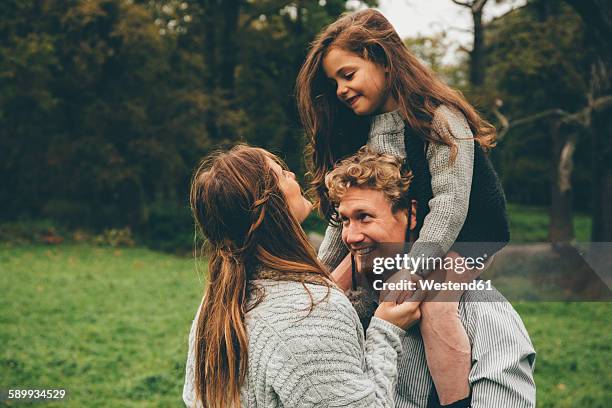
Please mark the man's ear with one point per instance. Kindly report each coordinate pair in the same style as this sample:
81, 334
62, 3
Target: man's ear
413, 218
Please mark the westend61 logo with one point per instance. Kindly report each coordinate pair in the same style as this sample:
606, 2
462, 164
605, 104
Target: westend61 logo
459, 265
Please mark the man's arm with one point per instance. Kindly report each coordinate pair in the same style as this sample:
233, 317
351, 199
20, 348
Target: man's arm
503, 357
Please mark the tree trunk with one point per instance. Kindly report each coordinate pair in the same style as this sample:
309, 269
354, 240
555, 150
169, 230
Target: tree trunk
229, 46
477, 55
602, 176
561, 227
209, 8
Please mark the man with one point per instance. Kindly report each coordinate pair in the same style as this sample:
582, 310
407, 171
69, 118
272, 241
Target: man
368, 192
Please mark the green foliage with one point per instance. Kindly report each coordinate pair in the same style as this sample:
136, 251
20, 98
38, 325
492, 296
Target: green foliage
539, 59
434, 51
169, 227
106, 106
115, 325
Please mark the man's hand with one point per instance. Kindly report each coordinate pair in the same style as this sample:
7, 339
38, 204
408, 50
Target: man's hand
402, 315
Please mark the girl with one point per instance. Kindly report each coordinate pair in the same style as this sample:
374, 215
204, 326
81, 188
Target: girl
272, 329
360, 84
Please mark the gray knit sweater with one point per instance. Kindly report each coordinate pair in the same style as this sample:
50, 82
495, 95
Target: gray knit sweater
450, 182
296, 359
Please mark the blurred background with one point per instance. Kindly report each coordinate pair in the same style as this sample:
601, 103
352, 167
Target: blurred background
106, 106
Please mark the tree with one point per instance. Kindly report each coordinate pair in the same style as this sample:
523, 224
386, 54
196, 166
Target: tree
477, 53
559, 58
597, 19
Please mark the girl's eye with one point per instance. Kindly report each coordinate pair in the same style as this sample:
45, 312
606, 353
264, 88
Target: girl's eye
349, 75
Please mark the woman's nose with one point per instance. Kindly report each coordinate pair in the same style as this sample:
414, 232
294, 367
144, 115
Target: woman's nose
341, 91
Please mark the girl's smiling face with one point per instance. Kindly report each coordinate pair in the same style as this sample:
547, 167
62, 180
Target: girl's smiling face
360, 84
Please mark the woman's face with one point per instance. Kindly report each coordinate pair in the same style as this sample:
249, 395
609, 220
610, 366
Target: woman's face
360, 84
299, 206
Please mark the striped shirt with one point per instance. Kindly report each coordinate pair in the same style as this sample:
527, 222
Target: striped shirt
502, 357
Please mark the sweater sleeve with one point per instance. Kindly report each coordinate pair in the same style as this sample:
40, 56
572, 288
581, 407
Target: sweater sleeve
450, 183
332, 250
333, 368
189, 394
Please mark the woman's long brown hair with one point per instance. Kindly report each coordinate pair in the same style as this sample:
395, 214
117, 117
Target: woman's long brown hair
334, 131
242, 214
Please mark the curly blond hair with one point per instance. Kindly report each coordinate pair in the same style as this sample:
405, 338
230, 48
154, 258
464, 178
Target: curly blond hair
370, 169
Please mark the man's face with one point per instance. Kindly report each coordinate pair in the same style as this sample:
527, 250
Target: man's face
367, 220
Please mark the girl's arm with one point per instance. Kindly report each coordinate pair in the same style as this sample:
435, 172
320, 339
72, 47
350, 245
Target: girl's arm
443, 334
451, 183
332, 250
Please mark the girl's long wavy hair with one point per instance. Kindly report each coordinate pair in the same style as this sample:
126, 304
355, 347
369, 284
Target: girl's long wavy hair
243, 215
334, 131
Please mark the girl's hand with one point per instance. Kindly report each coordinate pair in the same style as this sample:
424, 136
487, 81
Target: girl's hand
402, 315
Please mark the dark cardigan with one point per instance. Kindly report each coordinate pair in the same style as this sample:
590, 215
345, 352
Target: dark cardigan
486, 225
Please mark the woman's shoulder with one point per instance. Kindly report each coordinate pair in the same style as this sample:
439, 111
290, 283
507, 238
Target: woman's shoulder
277, 294
287, 303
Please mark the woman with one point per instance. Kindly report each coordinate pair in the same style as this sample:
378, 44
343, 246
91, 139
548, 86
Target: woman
273, 329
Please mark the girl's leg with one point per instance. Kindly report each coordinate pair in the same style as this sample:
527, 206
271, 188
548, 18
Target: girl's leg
447, 346
447, 349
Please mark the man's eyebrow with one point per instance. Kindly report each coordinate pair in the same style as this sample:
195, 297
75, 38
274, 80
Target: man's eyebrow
357, 210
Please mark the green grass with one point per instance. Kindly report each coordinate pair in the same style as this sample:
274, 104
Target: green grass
530, 224
111, 326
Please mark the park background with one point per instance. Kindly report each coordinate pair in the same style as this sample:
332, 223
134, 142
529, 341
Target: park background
106, 106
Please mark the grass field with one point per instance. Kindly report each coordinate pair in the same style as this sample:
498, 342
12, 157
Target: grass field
110, 326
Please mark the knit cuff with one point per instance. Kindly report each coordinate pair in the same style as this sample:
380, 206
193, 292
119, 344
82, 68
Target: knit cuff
387, 327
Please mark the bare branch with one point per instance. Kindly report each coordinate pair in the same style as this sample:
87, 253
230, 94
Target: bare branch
461, 30
581, 117
461, 3
602, 103
512, 10
505, 124
539, 116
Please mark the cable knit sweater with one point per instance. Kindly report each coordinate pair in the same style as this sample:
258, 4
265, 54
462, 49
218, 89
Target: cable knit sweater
450, 182
296, 359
